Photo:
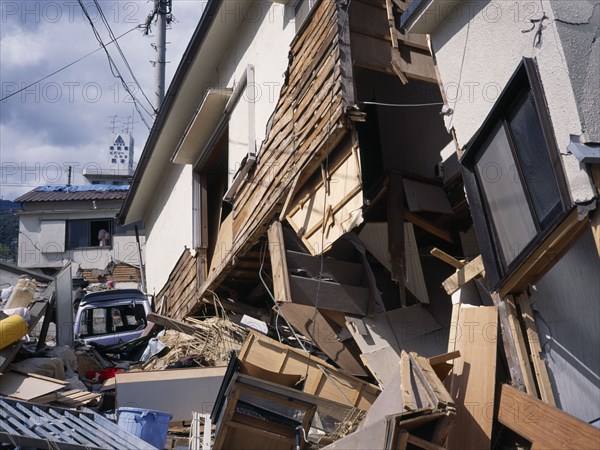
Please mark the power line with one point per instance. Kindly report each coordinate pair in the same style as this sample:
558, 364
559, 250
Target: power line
113, 67
112, 35
67, 66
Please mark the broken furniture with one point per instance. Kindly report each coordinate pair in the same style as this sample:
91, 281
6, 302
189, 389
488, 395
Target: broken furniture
414, 408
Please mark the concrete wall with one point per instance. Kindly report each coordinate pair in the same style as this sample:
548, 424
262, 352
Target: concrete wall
263, 39
567, 314
479, 47
36, 252
578, 26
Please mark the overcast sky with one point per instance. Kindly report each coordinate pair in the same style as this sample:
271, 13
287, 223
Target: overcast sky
66, 119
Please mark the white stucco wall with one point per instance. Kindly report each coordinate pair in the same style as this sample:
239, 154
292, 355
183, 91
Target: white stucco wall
168, 225
35, 253
479, 47
262, 39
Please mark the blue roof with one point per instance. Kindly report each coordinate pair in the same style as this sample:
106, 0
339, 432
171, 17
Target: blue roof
84, 188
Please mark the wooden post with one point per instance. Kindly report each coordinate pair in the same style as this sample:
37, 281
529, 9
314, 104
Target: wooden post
281, 280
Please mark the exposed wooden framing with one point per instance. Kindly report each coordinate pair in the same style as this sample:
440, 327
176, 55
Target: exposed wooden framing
520, 347
464, 275
281, 282
428, 226
443, 256
546, 255
545, 426
439, 396
539, 365
308, 123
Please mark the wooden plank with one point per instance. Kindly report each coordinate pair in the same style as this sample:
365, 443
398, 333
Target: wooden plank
520, 346
539, 365
463, 276
171, 324
428, 226
545, 426
440, 397
443, 256
434, 360
9, 353
408, 400
474, 377
26, 387
279, 268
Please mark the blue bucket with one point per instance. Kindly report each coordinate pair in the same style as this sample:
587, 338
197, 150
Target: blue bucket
151, 426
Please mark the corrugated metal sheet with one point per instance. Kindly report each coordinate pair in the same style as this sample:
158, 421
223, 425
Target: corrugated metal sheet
74, 193
41, 426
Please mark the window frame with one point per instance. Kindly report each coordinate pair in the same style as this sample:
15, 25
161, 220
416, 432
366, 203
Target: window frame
68, 233
524, 82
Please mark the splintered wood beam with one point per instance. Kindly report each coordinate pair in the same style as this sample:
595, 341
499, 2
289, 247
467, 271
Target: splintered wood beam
281, 281
522, 355
171, 324
539, 365
462, 276
545, 426
408, 401
428, 226
443, 256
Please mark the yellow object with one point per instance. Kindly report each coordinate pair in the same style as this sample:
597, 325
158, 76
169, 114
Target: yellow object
22, 294
12, 329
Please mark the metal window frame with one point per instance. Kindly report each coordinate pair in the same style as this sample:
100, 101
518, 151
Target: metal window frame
525, 81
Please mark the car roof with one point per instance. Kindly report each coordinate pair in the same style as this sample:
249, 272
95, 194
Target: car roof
113, 295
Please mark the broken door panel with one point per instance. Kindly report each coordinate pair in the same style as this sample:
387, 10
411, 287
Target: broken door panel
331, 206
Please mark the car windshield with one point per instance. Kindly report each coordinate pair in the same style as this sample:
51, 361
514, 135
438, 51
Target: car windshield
112, 319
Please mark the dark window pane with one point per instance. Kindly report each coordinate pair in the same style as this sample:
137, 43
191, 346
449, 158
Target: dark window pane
535, 161
78, 233
504, 195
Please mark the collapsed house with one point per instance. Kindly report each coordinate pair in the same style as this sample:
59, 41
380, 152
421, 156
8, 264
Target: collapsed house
389, 178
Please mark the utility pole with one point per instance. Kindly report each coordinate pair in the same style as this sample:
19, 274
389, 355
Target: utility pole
162, 9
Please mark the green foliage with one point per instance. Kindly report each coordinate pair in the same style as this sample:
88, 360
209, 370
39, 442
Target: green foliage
9, 236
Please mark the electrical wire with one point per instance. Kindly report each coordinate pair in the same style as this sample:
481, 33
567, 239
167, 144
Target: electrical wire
112, 36
114, 69
401, 105
67, 66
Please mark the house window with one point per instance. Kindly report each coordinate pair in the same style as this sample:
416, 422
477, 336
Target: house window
513, 176
89, 233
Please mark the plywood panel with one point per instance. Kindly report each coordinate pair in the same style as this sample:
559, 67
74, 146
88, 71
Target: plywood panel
330, 209
474, 377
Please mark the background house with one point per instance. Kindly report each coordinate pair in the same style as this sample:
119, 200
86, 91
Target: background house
58, 224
